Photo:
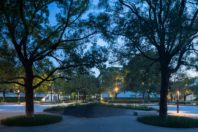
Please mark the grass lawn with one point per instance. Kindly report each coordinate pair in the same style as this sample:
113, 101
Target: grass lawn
130, 100
15, 99
170, 121
60, 109
132, 107
36, 120
56, 109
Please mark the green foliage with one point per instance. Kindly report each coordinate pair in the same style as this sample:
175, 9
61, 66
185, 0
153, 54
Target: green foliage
55, 109
142, 75
8, 66
60, 109
45, 43
170, 121
36, 120
165, 28
129, 100
61, 86
84, 83
15, 99
183, 84
132, 107
110, 78
50, 39
6, 87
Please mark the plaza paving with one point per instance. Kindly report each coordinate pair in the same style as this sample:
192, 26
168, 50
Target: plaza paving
122, 123
109, 124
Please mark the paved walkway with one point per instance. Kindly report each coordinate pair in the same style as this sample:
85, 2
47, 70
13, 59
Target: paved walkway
185, 114
126, 123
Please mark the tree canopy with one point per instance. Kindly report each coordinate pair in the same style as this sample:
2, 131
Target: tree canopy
43, 47
165, 27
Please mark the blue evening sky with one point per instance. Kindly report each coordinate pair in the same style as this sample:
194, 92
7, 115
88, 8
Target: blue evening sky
53, 10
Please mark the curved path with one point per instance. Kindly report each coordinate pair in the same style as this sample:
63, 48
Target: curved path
104, 124
125, 122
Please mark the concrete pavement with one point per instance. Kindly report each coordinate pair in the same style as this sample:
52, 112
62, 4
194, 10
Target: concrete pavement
126, 123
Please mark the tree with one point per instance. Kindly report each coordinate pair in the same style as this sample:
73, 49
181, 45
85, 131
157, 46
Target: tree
142, 76
27, 29
85, 84
8, 67
194, 85
183, 84
166, 27
110, 78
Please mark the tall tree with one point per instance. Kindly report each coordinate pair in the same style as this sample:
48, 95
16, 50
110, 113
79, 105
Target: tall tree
32, 30
142, 75
85, 84
182, 83
8, 67
110, 78
167, 27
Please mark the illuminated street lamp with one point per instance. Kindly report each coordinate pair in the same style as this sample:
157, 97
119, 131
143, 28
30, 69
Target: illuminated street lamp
178, 93
116, 90
18, 95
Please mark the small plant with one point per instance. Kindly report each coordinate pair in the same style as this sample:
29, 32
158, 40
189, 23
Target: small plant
35, 120
170, 121
55, 109
133, 107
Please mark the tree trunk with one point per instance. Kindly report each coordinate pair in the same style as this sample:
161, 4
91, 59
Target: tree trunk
143, 96
185, 98
148, 96
171, 97
29, 92
164, 91
59, 100
29, 107
84, 95
4, 94
116, 95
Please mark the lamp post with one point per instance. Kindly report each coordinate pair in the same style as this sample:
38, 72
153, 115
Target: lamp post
116, 89
18, 95
178, 101
51, 90
78, 94
143, 94
185, 92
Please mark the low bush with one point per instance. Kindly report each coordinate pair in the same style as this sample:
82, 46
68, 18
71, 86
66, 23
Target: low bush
170, 121
35, 120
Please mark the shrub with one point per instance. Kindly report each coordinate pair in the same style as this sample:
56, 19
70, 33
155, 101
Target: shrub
35, 120
170, 121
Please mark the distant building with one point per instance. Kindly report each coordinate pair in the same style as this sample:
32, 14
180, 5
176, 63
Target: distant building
127, 94
12, 94
54, 98
191, 97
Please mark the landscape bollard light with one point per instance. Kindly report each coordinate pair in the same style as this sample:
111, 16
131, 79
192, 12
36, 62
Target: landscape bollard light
177, 101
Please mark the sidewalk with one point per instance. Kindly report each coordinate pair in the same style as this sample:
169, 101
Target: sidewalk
9, 114
126, 123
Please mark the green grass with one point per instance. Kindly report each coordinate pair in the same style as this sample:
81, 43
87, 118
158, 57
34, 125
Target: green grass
133, 107
36, 120
15, 99
130, 100
55, 109
60, 109
170, 121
